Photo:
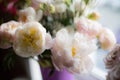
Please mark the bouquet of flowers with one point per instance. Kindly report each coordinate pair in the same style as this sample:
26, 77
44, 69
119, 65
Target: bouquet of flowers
61, 33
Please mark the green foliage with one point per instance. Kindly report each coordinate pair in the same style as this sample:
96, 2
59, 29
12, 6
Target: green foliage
68, 2
86, 2
46, 62
56, 21
45, 59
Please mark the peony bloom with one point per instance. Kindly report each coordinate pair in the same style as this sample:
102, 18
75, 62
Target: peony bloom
112, 62
107, 39
29, 14
71, 51
88, 27
7, 31
95, 30
30, 39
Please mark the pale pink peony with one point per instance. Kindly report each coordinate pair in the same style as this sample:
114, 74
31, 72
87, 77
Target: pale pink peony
107, 39
95, 30
7, 31
71, 50
30, 39
88, 27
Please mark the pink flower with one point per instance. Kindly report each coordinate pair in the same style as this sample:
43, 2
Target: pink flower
7, 31
11, 7
107, 39
95, 30
71, 50
88, 27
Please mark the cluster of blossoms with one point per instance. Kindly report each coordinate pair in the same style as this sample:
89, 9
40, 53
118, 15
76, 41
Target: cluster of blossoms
70, 48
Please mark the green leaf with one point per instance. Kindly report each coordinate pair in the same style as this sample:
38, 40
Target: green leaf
28, 2
68, 2
45, 59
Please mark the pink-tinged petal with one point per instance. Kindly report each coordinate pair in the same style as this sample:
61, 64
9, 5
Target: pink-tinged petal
107, 39
7, 31
88, 27
49, 41
70, 51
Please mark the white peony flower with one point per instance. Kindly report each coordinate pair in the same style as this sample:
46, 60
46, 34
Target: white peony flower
30, 39
71, 51
29, 14
83, 44
7, 31
107, 39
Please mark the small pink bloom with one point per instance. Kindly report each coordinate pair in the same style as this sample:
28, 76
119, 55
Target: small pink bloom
88, 27
107, 39
11, 8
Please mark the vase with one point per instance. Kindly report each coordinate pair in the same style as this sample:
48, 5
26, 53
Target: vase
22, 69
18, 70
57, 75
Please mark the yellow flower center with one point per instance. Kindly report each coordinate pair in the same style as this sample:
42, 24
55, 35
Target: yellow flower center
30, 39
73, 51
24, 18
